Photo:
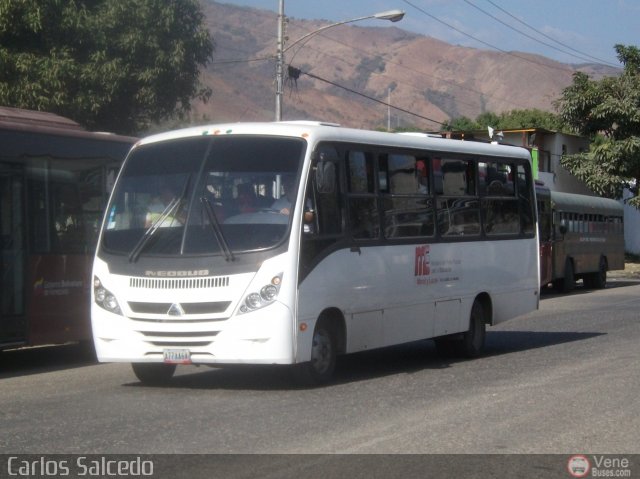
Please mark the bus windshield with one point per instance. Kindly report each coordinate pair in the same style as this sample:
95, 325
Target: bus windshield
204, 195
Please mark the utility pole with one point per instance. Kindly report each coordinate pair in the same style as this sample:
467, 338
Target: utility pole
388, 109
391, 15
280, 62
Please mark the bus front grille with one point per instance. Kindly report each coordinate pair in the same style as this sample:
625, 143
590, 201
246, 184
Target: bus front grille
179, 283
173, 339
214, 307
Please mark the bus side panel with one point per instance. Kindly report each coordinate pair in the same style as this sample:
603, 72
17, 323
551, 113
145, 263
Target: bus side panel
58, 295
391, 294
585, 252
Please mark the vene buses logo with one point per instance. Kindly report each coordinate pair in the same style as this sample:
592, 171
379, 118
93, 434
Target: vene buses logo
578, 466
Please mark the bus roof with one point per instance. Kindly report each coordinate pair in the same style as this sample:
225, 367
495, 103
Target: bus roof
320, 131
17, 119
570, 202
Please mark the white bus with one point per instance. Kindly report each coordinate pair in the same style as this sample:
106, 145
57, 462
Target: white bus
292, 243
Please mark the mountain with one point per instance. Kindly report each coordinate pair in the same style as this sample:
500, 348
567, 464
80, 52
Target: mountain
422, 75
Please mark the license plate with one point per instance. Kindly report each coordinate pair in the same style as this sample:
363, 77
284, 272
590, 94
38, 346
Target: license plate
177, 356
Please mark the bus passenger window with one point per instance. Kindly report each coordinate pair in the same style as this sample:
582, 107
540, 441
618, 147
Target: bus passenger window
323, 204
458, 216
408, 212
527, 212
496, 179
458, 178
361, 175
408, 217
404, 175
501, 217
363, 209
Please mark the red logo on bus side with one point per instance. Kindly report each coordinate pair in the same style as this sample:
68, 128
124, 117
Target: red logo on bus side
422, 267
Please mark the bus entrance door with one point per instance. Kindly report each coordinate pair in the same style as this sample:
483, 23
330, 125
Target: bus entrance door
12, 317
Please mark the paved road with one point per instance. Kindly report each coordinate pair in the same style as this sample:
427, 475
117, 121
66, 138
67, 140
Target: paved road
561, 380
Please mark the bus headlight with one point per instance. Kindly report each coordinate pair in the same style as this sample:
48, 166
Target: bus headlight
267, 295
253, 301
269, 292
105, 298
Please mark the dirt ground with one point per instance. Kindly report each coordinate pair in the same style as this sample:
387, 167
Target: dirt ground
631, 270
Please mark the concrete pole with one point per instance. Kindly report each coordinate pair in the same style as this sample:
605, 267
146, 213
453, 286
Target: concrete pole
280, 62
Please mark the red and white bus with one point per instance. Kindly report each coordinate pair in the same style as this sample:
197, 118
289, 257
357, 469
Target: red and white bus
291, 243
55, 179
581, 237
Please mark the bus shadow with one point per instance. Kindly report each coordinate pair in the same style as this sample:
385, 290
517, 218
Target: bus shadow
422, 355
507, 342
403, 359
550, 292
38, 360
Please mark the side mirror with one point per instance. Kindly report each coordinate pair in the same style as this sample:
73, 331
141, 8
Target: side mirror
563, 228
309, 216
326, 176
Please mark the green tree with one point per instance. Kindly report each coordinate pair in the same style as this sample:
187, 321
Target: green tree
529, 118
116, 65
486, 119
459, 124
514, 119
607, 111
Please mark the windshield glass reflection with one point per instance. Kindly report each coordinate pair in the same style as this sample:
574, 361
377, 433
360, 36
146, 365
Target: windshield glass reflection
204, 195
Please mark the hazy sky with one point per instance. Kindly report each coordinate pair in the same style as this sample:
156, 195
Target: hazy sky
574, 31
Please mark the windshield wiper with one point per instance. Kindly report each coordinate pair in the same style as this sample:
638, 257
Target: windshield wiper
168, 211
144, 240
217, 230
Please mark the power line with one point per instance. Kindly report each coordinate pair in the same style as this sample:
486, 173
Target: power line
464, 88
530, 60
355, 92
523, 33
599, 60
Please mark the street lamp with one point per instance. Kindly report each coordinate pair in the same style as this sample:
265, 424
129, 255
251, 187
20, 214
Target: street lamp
391, 15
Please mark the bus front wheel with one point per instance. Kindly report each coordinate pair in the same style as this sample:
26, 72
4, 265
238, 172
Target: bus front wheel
323, 358
153, 374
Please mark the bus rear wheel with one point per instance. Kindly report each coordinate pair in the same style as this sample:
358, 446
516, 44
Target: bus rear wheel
470, 343
153, 374
323, 358
599, 278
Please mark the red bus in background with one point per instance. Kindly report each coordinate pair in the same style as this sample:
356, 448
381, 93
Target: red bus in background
581, 237
55, 178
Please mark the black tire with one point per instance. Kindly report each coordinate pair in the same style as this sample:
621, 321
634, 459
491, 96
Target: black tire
320, 369
468, 344
599, 279
153, 374
472, 342
569, 281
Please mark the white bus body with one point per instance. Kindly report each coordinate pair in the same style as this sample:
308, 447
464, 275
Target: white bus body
389, 239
